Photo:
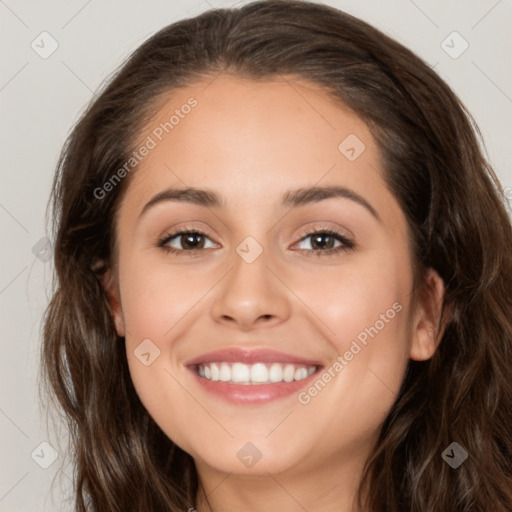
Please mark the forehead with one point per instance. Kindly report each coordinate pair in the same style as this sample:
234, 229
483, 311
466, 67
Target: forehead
252, 141
279, 114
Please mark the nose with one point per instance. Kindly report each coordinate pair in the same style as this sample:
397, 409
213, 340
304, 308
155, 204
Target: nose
252, 295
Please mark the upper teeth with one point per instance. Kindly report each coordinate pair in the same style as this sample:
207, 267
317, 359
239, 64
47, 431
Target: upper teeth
259, 373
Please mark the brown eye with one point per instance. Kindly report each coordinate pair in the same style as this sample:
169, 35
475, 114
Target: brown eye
184, 241
323, 242
192, 241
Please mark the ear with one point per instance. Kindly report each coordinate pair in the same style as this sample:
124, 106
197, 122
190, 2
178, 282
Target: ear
110, 285
428, 326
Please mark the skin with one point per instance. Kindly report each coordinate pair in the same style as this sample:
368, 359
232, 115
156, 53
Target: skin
250, 142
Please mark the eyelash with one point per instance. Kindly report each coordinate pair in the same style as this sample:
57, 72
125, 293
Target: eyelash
346, 246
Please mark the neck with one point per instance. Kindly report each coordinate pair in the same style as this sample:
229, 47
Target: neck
332, 487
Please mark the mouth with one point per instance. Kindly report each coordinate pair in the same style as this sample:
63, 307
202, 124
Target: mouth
254, 374
251, 377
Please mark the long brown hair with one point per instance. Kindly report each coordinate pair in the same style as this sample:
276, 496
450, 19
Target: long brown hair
455, 209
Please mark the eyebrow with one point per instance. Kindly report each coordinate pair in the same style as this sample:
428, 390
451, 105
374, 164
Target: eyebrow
290, 199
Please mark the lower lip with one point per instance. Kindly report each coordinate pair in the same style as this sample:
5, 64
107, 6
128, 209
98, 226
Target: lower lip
253, 394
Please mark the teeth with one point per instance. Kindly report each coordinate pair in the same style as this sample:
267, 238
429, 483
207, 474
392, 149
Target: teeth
289, 372
225, 372
276, 373
215, 372
239, 372
301, 373
258, 373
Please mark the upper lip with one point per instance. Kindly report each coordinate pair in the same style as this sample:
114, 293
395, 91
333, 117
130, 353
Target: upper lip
250, 356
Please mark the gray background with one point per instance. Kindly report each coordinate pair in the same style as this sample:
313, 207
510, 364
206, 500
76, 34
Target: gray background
40, 100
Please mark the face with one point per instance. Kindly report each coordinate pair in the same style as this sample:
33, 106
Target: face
307, 296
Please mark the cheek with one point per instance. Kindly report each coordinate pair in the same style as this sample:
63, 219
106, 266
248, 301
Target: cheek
157, 296
350, 299
160, 305
365, 315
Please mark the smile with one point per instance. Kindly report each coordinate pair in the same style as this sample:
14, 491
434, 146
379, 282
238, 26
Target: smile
254, 374
251, 376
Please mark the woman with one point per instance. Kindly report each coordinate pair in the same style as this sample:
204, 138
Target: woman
284, 277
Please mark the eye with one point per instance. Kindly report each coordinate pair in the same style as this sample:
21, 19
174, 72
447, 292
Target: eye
323, 242
189, 240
